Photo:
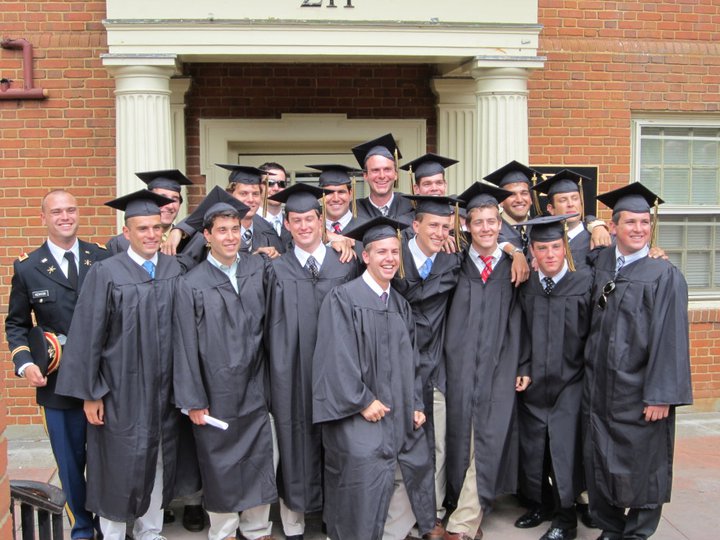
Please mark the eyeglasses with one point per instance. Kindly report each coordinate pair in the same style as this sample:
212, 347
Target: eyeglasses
278, 183
606, 290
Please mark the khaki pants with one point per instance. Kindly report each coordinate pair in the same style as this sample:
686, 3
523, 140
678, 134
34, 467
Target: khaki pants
440, 432
467, 517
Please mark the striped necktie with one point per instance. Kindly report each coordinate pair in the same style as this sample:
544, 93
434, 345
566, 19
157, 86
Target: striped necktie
487, 260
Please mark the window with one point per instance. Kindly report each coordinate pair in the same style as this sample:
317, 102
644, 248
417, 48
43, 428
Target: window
680, 160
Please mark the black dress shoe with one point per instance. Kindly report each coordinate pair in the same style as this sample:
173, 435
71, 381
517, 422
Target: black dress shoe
532, 518
583, 511
609, 536
193, 518
556, 533
168, 516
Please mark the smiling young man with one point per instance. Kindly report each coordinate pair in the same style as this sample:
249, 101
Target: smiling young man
45, 285
486, 366
556, 309
428, 172
378, 161
167, 183
430, 278
120, 364
211, 363
297, 283
637, 372
367, 397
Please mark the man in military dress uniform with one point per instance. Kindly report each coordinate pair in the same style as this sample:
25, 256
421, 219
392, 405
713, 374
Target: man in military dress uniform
46, 283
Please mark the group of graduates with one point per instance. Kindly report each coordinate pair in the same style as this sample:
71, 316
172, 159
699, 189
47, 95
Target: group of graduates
382, 360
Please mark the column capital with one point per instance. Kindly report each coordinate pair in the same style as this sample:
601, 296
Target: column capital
179, 86
458, 92
503, 80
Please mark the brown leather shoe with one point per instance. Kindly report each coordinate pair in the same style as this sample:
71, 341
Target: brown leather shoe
437, 532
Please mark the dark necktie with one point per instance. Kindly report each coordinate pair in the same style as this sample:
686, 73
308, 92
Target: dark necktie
384, 298
336, 227
384, 210
524, 239
72, 273
487, 260
549, 284
312, 265
619, 263
247, 239
150, 267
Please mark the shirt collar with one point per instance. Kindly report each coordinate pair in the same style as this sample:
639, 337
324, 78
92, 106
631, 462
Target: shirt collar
140, 259
376, 288
495, 254
59, 253
303, 256
225, 268
344, 220
557, 277
572, 233
629, 259
388, 204
418, 256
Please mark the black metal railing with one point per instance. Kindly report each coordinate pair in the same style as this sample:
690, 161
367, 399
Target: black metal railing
45, 500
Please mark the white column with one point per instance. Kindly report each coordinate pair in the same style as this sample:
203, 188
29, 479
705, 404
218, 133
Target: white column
143, 123
456, 130
178, 88
502, 117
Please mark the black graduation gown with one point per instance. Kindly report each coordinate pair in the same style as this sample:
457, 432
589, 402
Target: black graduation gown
401, 209
557, 325
484, 353
580, 247
367, 352
119, 351
219, 365
264, 235
637, 353
293, 303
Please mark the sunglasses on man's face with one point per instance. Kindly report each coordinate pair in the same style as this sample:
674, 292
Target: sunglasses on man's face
279, 183
606, 290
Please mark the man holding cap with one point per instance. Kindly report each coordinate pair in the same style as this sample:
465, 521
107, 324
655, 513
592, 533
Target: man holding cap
220, 371
556, 309
637, 372
46, 284
119, 361
367, 396
297, 283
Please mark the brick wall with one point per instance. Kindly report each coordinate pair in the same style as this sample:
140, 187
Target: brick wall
65, 140
269, 90
605, 62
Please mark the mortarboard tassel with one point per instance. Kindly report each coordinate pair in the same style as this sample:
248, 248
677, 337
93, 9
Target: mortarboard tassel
324, 220
568, 254
412, 179
265, 194
460, 240
582, 199
397, 174
653, 230
354, 201
401, 268
535, 198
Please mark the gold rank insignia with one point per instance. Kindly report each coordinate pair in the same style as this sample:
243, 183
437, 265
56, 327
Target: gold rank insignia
87, 262
51, 269
23, 257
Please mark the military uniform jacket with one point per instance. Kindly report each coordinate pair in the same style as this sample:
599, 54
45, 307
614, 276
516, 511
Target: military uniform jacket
40, 287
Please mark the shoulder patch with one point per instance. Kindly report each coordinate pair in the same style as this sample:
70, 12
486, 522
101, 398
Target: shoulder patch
23, 257
101, 246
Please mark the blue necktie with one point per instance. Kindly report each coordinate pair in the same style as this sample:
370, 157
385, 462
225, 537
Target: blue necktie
425, 268
619, 263
150, 267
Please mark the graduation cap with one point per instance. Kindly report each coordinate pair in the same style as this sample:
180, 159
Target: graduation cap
140, 203
549, 229
170, 179
634, 198
299, 198
243, 174
216, 195
428, 165
511, 173
45, 349
382, 146
480, 194
378, 228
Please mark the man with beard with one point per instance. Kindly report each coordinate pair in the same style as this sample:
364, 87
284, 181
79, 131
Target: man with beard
119, 362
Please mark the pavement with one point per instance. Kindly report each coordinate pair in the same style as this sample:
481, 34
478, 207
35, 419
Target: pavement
691, 515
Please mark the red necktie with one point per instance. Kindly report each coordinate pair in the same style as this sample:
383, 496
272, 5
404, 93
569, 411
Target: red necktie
336, 227
487, 260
